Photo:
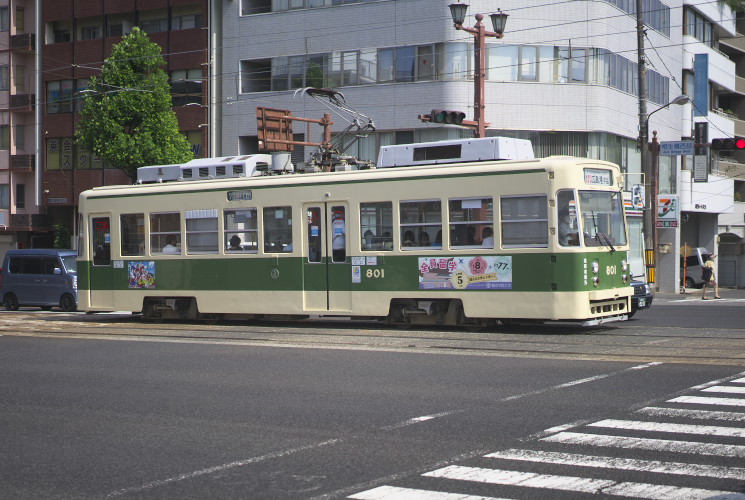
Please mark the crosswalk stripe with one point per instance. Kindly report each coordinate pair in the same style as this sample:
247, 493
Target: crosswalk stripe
705, 430
395, 493
570, 483
698, 400
724, 388
656, 466
739, 381
696, 414
698, 448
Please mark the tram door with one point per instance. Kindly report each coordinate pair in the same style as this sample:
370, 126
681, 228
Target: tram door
101, 273
327, 278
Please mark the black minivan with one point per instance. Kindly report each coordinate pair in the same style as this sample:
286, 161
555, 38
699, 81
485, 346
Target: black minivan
40, 277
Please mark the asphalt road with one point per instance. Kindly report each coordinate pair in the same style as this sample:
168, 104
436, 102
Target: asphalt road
106, 406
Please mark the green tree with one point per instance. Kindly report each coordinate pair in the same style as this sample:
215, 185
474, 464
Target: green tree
127, 118
734, 4
61, 236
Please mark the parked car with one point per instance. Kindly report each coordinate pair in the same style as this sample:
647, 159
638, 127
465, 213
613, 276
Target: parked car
690, 268
40, 277
642, 298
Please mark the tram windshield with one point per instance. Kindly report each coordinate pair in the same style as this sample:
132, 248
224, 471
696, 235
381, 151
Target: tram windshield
602, 218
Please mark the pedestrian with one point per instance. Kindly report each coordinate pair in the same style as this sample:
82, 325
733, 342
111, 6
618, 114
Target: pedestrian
709, 278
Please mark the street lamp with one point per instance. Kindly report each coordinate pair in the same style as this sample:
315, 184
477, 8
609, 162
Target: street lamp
499, 20
649, 221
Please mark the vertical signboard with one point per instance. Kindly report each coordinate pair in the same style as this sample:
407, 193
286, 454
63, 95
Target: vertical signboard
701, 152
701, 85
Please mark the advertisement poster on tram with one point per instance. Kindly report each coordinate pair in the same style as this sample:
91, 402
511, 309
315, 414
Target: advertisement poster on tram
466, 272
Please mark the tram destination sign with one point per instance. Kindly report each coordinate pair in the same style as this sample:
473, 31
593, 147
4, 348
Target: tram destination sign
676, 148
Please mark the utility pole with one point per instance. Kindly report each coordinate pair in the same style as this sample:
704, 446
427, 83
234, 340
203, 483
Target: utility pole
650, 197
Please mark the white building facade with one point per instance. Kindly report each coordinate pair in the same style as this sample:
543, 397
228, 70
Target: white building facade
564, 76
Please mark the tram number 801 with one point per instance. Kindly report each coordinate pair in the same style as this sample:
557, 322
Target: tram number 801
375, 273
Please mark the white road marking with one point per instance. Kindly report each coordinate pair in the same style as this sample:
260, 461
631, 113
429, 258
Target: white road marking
395, 493
417, 420
727, 389
698, 400
218, 468
697, 448
695, 414
739, 381
704, 430
677, 468
569, 483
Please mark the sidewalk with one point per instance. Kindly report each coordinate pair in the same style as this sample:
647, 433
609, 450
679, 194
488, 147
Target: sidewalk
695, 293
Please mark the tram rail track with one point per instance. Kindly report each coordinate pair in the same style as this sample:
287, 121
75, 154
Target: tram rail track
612, 343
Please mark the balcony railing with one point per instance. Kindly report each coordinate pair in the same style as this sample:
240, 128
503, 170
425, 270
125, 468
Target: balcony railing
29, 222
22, 102
24, 42
729, 168
22, 163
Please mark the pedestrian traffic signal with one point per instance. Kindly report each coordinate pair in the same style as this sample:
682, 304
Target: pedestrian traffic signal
445, 116
728, 144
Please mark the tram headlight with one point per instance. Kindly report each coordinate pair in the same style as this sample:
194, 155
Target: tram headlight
596, 281
625, 278
624, 265
595, 267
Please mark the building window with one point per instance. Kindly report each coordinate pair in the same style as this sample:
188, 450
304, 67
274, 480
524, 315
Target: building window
4, 77
19, 79
60, 96
165, 233
154, 21
186, 86
421, 222
201, 231
524, 221
699, 27
277, 229
20, 20
90, 28
133, 234
4, 18
20, 137
4, 137
186, 17
4, 196
256, 76
241, 230
20, 196
61, 31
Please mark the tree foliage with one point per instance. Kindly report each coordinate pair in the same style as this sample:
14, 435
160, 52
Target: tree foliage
127, 117
733, 4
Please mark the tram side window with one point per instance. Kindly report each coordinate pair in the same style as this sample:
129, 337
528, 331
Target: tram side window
566, 207
101, 240
201, 231
315, 241
421, 222
165, 233
471, 223
241, 230
524, 221
277, 229
133, 234
376, 225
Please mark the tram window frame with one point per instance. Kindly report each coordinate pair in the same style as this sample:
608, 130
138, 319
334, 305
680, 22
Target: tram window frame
567, 225
101, 241
377, 218
274, 234
461, 220
160, 237
249, 235
201, 231
132, 234
422, 224
533, 227
338, 234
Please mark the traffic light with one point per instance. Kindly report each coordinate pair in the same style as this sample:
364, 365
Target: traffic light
728, 144
446, 116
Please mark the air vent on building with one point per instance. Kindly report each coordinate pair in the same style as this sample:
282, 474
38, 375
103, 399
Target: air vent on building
220, 171
204, 172
187, 173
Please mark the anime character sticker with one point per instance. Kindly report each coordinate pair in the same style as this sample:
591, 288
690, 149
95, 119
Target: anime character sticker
141, 274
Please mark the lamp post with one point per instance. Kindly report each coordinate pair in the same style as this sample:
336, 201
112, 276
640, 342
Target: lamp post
649, 222
479, 32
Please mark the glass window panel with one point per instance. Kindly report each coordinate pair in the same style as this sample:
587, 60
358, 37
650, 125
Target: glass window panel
524, 221
165, 233
385, 65
368, 68
376, 225
101, 241
201, 231
132, 234
502, 62
421, 221
471, 222
425, 62
405, 64
277, 229
528, 63
241, 230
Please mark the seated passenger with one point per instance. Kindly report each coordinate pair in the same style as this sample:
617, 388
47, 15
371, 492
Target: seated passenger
171, 245
235, 243
487, 237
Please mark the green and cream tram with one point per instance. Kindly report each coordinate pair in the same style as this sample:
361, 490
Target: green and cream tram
470, 232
